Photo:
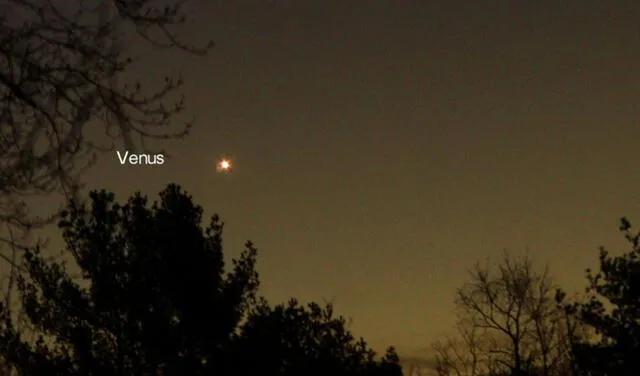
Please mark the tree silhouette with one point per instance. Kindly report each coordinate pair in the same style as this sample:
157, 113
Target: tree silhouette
292, 339
509, 323
154, 297
613, 312
68, 93
60, 70
154, 294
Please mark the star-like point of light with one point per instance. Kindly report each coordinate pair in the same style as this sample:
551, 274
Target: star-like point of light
224, 165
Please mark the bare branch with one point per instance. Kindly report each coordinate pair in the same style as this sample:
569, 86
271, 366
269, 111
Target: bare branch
509, 323
60, 64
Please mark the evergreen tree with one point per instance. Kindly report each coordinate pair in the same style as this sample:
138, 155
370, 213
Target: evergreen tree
154, 298
613, 312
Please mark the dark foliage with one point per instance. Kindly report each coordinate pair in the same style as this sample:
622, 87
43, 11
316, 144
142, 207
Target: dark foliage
613, 312
291, 339
154, 298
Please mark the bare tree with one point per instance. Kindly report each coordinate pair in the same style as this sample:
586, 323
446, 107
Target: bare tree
460, 355
59, 69
509, 324
417, 366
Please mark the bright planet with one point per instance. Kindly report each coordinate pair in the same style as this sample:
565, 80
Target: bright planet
224, 165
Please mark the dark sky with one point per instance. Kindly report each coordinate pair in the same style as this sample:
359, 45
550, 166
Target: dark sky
383, 147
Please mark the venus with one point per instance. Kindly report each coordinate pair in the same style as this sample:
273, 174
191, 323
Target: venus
223, 165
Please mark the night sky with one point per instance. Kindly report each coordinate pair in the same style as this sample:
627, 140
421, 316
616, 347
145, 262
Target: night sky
381, 148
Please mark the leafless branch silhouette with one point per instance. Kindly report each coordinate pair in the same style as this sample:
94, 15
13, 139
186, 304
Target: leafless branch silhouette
60, 64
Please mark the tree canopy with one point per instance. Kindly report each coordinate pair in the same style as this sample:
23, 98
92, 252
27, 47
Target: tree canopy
612, 311
154, 297
307, 340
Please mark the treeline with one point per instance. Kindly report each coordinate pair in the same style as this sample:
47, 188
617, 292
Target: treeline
150, 293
